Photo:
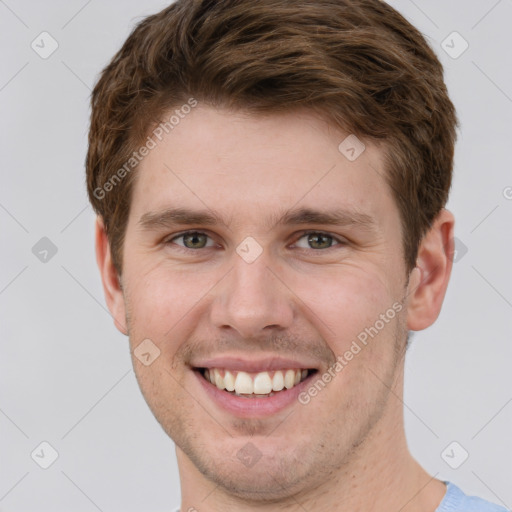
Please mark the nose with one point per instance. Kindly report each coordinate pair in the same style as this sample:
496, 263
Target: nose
252, 298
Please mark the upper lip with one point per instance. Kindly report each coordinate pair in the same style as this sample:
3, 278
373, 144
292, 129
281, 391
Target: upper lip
254, 365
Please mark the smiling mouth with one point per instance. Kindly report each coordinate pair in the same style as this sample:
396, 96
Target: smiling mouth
255, 385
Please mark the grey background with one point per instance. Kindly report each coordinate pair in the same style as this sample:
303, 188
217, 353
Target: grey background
65, 372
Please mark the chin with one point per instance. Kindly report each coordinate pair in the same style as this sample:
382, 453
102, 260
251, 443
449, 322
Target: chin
258, 469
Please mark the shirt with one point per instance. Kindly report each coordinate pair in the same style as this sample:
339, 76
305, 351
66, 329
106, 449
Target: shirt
456, 501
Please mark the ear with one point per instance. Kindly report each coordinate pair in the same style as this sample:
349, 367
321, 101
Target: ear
109, 277
429, 280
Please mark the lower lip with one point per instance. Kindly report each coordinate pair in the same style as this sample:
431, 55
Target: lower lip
252, 407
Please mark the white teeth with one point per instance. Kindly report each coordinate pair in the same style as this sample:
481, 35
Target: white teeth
262, 384
243, 384
289, 379
278, 381
229, 381
219, 380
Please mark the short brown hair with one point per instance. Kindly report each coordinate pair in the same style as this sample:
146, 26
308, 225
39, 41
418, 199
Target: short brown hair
358, 63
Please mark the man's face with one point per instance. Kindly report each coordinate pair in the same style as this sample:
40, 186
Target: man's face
256, 293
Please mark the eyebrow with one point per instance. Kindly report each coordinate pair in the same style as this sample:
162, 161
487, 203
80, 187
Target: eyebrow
184, 216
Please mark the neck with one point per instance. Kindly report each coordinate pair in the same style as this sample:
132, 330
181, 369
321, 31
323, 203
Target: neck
380, 475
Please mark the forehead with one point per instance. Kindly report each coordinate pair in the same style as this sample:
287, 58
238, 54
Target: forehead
244, 167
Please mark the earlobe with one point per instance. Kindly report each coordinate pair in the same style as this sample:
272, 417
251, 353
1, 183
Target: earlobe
110, 279
429, 280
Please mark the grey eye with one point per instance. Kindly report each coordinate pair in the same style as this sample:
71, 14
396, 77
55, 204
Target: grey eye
193, 240
317, 241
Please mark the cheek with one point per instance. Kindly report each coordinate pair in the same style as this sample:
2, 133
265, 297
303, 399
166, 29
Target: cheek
339, 302
346, 302
160, 299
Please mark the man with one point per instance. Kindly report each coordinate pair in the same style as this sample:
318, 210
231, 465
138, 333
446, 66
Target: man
270, 180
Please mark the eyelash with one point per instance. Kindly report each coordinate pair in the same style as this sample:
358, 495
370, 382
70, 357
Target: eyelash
339, 242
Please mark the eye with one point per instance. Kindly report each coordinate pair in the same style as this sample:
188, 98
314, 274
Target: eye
192, 240
317, 240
